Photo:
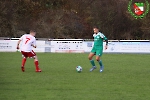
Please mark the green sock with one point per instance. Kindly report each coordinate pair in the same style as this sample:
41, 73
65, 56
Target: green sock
92, 62
100, 63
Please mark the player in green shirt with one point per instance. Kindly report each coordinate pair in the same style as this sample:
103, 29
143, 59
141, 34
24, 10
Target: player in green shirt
97, 48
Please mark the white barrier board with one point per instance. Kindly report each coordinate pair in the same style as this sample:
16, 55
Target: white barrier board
67, 46
79, 46
8, 45
128, 47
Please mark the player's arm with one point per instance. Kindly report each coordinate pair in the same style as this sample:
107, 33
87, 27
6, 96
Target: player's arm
106, 40
34, 43
18, 43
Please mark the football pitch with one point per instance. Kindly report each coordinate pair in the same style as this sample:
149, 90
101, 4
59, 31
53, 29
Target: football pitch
125, 77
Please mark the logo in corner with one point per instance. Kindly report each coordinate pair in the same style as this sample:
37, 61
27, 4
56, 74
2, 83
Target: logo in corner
138, 9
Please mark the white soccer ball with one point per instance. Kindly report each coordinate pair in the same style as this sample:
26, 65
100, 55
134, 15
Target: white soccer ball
79, 69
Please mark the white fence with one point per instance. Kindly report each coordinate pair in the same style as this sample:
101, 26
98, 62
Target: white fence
81, 46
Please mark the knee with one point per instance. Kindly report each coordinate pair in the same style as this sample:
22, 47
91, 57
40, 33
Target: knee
24, 57
35, 58
97, 59
89, 57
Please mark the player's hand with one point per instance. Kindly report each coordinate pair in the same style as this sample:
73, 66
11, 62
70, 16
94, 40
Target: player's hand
17, 47
33, 45
106, 47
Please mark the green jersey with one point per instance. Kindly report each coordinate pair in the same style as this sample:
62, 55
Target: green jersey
98, 44
98, 39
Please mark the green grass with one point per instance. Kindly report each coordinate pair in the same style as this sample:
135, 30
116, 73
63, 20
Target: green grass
125, 77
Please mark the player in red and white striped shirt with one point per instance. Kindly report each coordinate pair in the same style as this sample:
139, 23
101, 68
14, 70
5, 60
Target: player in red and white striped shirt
28, 42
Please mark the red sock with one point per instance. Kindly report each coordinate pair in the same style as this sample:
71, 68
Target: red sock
36, 65
23, 62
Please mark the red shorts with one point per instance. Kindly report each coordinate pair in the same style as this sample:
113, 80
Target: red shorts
28, 54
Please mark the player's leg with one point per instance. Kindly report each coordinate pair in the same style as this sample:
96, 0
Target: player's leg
36, 62
98, 55
92, 53
24, 55
90, 58
23, 63
100, 63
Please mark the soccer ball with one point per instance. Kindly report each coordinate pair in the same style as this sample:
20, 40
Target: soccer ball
79, 69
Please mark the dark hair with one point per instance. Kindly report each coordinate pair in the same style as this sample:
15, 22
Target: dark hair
96, 27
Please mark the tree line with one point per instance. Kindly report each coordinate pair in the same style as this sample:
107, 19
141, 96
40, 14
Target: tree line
72, 19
